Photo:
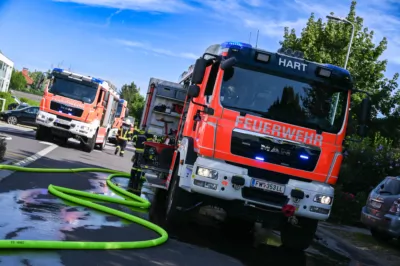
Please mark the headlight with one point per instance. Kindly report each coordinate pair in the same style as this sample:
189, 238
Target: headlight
323, 199
86, 128
207, 173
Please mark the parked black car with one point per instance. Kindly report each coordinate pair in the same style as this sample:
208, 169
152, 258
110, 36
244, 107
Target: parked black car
25, 116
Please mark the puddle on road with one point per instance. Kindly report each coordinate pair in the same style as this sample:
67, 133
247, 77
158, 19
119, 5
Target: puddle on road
36, 215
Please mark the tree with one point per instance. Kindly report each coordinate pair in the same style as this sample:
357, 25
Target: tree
17, 81
328, 43
131, 93
38, 79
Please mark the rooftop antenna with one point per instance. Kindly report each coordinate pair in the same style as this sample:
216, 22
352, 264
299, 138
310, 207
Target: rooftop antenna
258, 32
250, 37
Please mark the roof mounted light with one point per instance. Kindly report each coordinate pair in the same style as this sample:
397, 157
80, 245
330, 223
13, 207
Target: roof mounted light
333, 67
96, 80
323, 72
58, 70
236, 45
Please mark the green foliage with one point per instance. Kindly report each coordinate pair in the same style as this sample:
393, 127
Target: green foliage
328, 43
17, 81
7, 97
38, 80
131, 93
367, 162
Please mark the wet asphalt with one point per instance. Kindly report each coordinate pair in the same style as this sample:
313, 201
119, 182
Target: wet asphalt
30, 212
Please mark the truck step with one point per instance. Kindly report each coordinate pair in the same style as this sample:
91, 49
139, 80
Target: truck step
155, 182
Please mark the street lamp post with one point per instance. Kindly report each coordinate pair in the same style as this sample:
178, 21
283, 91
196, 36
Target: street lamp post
334, 18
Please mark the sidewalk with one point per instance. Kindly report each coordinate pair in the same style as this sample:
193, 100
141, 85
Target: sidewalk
358, 244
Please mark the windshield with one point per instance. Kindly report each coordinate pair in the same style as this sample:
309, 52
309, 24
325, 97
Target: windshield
389, 186
303, 104
84, 92
119, 110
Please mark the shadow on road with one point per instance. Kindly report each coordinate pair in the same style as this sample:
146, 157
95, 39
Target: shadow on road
30, 212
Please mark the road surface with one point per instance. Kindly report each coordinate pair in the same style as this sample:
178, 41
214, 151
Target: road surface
30, 212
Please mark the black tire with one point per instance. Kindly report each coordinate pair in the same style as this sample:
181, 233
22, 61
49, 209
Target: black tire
380, 236
176, 197
43, 133
298, 237
90, 144
239, 227
12, 120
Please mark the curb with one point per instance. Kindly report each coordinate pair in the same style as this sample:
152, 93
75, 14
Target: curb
347, 248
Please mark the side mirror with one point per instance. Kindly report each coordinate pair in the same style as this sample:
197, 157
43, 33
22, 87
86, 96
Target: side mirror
199, 70
208, 111
193, 91
365, 112
228, 63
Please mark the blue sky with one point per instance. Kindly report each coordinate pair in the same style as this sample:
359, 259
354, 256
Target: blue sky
133, 40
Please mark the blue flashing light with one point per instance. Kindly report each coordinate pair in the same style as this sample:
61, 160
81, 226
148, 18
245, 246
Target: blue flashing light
259, 158
96, 80
236, 45
121, 101
59, 70
304, 157
333, 67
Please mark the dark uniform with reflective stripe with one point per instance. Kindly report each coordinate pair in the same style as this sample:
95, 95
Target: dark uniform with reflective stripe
125, 133
136, 172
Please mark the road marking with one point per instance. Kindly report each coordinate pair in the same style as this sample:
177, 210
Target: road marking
27, 161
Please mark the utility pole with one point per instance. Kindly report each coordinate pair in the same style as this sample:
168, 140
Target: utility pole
258, 32
250, 37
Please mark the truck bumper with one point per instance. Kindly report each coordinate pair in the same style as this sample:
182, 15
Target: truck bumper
65, 126
220, 186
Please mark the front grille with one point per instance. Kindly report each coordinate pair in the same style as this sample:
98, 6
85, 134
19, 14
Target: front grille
275, 151
62, 125
268, 175
64, 118
264, 196
67, 109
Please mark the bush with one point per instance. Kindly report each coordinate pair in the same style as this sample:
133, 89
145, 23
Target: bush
24, 100
7, 97
366, 163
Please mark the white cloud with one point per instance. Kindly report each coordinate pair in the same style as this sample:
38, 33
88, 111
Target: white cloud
164, 6
158, 51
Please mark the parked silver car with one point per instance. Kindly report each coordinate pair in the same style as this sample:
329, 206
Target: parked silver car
382, 211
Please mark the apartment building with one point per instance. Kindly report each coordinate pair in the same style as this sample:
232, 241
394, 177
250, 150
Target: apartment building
6, 67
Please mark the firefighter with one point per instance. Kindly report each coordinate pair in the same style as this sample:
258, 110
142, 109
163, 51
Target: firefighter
139, 138
124, 134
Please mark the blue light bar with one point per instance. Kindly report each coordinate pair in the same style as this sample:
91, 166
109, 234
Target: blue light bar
333, 67
304, 157
259, 158
236, 45
60, 70
97, 80
121, 101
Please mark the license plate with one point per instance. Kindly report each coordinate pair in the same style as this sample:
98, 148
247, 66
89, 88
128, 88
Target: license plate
63, 122
264, 185
375, 204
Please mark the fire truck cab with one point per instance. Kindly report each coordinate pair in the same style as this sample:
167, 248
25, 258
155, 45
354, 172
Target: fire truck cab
261, 137
77, 106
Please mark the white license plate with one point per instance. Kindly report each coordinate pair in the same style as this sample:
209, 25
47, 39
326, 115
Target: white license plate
267, 186
375, 204
63, 122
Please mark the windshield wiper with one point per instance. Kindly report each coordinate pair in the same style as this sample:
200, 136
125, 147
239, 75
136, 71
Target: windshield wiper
243, 111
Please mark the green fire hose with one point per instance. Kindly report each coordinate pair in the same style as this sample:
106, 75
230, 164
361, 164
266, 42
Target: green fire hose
67, 194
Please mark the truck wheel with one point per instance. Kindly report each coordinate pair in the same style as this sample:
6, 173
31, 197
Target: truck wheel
298, 237
89, 145
103, 145
176, 197
239, 227
43, 133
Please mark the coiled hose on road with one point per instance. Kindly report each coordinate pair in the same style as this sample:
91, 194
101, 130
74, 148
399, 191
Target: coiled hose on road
66, 194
